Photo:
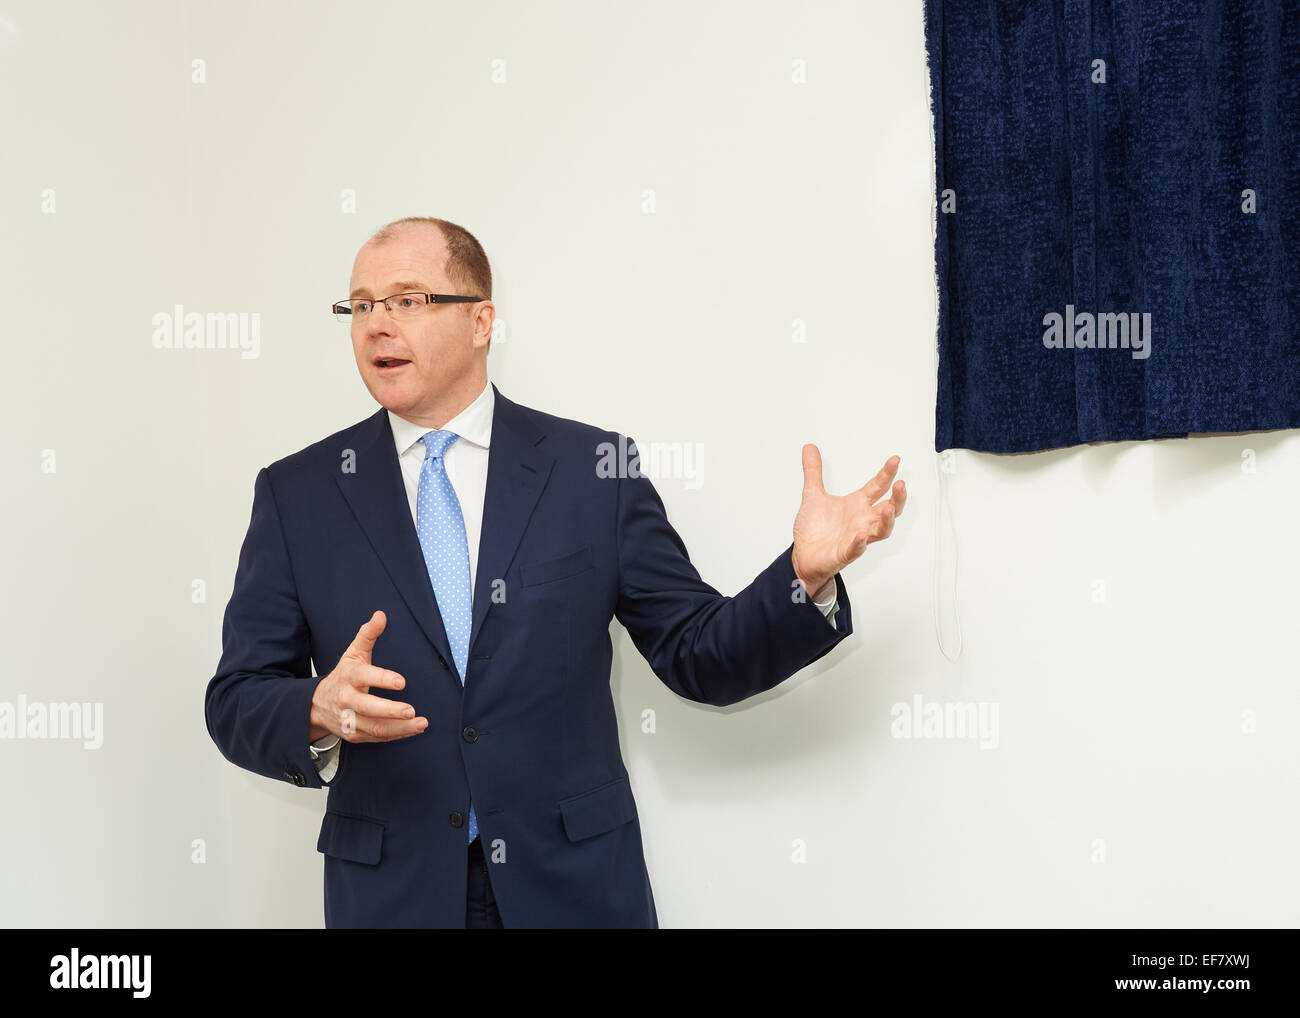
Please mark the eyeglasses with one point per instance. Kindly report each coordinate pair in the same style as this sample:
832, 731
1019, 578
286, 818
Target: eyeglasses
399, 305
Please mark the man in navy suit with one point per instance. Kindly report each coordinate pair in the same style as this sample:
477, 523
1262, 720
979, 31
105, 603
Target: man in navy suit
466, 730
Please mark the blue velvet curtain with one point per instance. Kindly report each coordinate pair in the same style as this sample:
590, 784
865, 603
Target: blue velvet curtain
1104, 158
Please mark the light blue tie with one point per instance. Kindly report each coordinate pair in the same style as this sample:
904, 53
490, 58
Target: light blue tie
441, 527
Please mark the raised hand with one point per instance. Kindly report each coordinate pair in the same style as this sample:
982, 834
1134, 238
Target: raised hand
342, 703
830, 531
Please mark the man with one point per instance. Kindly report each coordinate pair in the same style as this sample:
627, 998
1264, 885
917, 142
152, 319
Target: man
466, 731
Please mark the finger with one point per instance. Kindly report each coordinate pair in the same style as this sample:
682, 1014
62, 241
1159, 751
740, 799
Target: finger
381, 707
364, 642
371, 729
899, 498
878, 527
372, 675
879, 484
885, 525
812, 468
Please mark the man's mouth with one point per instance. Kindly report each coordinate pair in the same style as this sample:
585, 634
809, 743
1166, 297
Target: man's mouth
390, 363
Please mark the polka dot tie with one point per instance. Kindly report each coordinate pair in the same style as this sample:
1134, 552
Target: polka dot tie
441, 527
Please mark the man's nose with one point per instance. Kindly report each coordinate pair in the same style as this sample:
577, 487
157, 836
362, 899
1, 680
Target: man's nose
379, 321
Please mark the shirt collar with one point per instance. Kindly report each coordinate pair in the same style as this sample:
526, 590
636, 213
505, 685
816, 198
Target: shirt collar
473, 424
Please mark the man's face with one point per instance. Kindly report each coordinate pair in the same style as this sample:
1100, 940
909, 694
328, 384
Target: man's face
434, 357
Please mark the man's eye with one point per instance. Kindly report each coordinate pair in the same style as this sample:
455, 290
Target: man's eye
361, 306
408, 302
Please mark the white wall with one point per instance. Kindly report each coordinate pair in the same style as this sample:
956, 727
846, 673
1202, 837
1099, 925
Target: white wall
1120, 720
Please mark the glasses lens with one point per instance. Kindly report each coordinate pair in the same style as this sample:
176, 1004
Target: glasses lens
352, 310
404, 305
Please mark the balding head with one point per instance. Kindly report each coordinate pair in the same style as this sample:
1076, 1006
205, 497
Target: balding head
463, 258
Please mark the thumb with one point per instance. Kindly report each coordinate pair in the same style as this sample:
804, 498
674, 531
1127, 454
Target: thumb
364, 642
812, 469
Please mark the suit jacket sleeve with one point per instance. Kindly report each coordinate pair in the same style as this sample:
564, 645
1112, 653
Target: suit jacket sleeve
702, 645
258, 705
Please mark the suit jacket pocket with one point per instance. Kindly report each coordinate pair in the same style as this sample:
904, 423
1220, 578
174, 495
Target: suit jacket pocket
557, 568
598, 810
351, 837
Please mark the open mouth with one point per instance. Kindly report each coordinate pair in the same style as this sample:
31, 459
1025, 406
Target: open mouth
390, 363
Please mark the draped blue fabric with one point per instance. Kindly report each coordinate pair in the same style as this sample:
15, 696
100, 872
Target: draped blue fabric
1119, 197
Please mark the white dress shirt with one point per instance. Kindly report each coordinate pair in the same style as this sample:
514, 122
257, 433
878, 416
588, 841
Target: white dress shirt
466, 462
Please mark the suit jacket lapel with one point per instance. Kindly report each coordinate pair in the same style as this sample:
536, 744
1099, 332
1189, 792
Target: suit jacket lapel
517, 472
377, 495
518, 468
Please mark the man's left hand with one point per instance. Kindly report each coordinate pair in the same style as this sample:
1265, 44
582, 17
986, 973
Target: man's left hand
830, 531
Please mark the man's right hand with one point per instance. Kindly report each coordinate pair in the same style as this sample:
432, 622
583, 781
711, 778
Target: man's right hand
342, 705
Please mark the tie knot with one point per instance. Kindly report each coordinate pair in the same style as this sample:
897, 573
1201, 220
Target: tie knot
436, 442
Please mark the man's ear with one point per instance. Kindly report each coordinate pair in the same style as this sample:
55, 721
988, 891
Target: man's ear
484, 317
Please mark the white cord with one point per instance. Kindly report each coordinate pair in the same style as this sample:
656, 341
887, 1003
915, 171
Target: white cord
941, 505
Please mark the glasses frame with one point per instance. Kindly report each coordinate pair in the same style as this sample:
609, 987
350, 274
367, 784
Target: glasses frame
431, 298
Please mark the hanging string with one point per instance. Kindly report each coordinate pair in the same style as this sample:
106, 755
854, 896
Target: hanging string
942, 507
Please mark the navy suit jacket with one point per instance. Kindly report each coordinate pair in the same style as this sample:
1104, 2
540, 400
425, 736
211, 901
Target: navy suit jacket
531, 734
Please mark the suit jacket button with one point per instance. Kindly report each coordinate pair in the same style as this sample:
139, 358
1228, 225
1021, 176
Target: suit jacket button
456, 819
470, 733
